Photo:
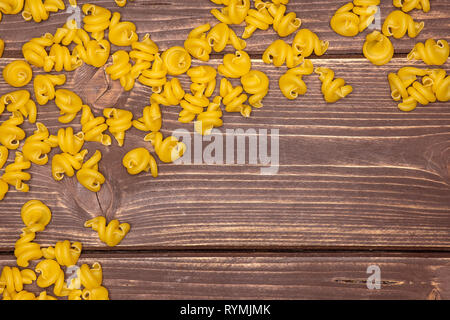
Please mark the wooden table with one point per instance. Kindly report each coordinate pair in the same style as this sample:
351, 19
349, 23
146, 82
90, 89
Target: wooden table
360, 183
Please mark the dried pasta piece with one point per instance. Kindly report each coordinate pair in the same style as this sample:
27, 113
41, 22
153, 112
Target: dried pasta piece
10, 132
169, 149
197, 44
2, 44
259, 19
50, 273
145, 50
440, 84
4, 187
156, 76
69, 103
39, 10
177, 60
96, 20
35, 215
17, 73
121, 69
20, 101
332, 89
378, 49
12, 279
234, 98
235, 65
65, 164
409, 5
284, 24
34, 52
151, 119
25, 250
44, 87
65, 253
366, 10
37, 147
11, 6
171, 95
121, 3
193, 105
431, 52
209, 119
100, 293
280, 53
234, 12
123, 33
222, 35
344, 22
119, 121
93, 128
203, 79
4, 155
291, 83
398, 23
401, 81
111, 234
92, 277
306, 42
94, 52
89, 176
14, 174
140, 160
256, 83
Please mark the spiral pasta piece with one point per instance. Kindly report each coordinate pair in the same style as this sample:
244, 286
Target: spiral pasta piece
332, 89
401, 81
121, 69
431, 52
4, 187
344, 22
94, 53
69, 103
235, 65
151, 119
68, 34
4, 155
44, 296
408, 5
17, 73
111, 234
140, 160
440, 84
234, 12
96, 20
37, 146
92, 277
145, 50
39, 10
306, 42
234, 98
156, 76
121, 33
398, 23
2, 44
94, 127
279, 53
12, 279
10, 132
100, 293
169, 149
193, 105
44, 87
25, 250
256, 83
34, 52
210, 119
35, 215
171, 95
11, 6
68, 141
418, 93
222, 35
19, 101
65, 253
291, 83
259, 19
203, 79
19, 296
366, 10
284, 24
121, 3
119, 121
14, 174
177, 60
65, 164
89, 176
62, 59
197, 44
378, 49
50, 273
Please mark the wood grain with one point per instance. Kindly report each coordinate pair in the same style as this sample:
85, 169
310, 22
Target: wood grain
267, 276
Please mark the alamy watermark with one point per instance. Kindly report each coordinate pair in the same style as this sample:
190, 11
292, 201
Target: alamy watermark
374, 280
376, 23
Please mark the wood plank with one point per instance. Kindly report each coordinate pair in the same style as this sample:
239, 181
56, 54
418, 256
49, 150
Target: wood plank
154, 17
358, 173
267, 276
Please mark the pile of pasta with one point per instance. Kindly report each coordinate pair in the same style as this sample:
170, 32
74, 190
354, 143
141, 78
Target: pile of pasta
53, 263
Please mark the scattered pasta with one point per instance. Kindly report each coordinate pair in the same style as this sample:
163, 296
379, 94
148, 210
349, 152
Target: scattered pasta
378, 49
408, 5
37, 146
398, 23
20, 101
168, 150
332, 89
69, 103
431, 52
280, 53
10, 133
291, 83
140, 160
234, 98
235, 65
210, 118
89, 176
256, 83
39, 10
119, 121
151, 119
307, 42
177, 60
94, 128
44, 87
64, 252
123, 33
111, 234
17, 73
234, 12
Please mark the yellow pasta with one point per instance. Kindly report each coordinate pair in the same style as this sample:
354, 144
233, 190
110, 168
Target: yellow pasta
39, 10
256, 83
193, 105
235, 65
398, 23
19, 101
62, 59
96, 20
169, 149
66, 35
11, 6
151, 119
25, 250
197, 44
67, 141
94, 52
203, 79
171, 95
408, 5
12, 279
333, 89
279, 53
222, 35
119, 121
4, 187
93, 128
440, 84
344, 22
2, 44
37, 146
123, 33
89, 176
177, 60
257, 19
156, 76
284, 24
291, 83
65, 164
69, 103
44, 296
210, 119
234, 98
234, 12
145, 50
121, 3
306, 42
401, 81
378, 49
366, 10
3, 156
65, 253
92, 277
10, 132
100, 293
16, 296
431, 52
121, 69
35, 215
50, 273
14, 174
17, 73
44, 87
140, 160
34, 52
418, 93
111, 234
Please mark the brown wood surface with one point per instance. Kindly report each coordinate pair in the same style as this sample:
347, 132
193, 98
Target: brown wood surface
355, 175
